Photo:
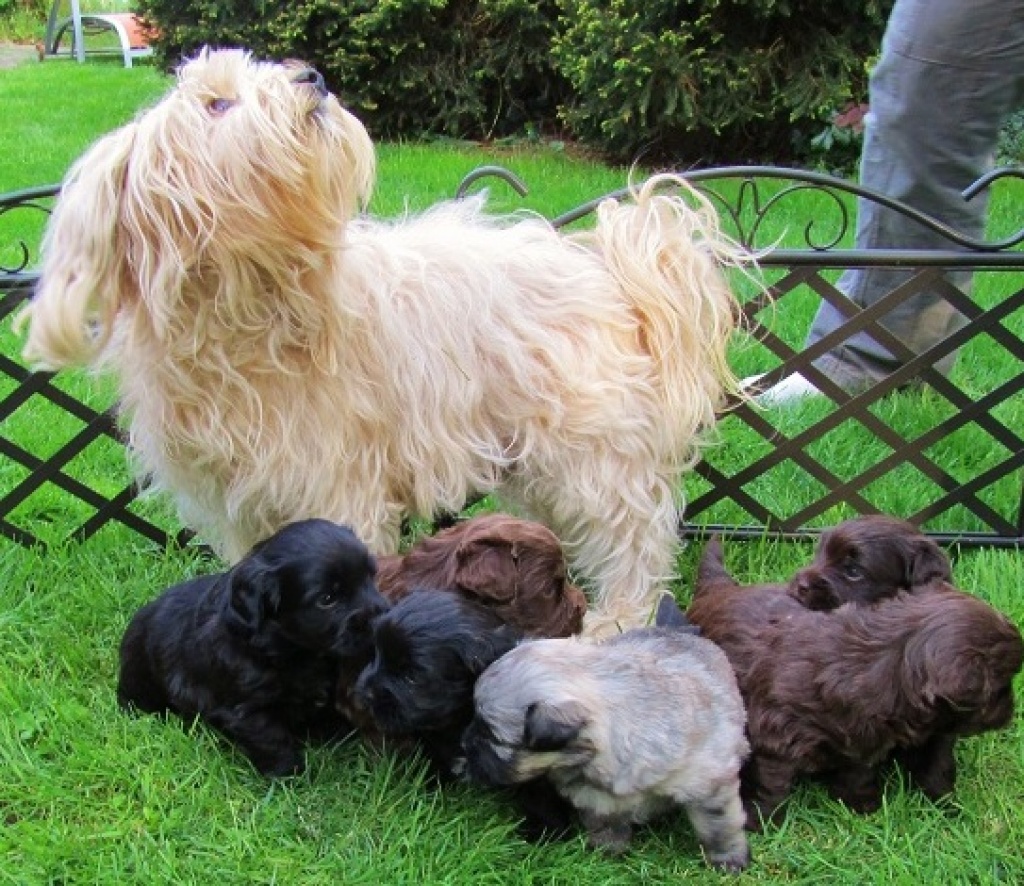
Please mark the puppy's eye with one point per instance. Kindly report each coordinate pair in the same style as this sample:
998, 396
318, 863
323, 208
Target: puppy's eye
218, 106
852, 571
328, 599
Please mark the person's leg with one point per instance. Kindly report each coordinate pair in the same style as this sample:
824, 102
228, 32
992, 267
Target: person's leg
949, 74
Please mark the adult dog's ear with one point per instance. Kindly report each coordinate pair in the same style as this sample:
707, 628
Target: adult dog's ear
253, 594
549, 727
927, 563
86, 279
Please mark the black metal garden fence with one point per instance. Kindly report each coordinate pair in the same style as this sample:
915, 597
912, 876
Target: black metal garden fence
948, 457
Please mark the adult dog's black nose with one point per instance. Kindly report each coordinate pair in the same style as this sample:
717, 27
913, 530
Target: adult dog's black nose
311, 77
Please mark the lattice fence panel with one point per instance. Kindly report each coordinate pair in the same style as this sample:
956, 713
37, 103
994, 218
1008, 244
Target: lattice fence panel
948, 454
62, 463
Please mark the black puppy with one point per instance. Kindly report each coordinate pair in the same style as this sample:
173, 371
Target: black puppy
429, 650
253, 651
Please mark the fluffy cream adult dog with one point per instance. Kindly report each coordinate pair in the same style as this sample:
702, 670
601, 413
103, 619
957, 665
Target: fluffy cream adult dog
279, 356
624, 729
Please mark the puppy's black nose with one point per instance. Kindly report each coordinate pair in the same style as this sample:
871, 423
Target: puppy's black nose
311, 77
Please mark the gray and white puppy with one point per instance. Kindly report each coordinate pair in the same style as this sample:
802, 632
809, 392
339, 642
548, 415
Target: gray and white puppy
625, 729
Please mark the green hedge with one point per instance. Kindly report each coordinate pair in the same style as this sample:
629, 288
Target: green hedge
460, 68
684, 81
709, 79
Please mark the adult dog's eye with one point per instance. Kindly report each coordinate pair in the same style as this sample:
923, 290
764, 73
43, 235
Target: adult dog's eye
219, 106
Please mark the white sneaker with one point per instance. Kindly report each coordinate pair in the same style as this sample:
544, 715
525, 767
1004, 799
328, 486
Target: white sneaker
792, 388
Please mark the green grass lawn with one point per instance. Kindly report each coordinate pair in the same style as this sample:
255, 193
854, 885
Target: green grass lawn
90, 795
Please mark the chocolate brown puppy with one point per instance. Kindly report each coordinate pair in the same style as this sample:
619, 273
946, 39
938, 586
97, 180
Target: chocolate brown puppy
516, 567
838, 694
867, 559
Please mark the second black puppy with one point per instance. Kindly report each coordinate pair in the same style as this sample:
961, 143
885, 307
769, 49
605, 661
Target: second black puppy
253, 651
429, 650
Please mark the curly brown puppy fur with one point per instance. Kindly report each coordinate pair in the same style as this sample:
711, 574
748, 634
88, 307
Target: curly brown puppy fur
867, 559
515, 567
837, 694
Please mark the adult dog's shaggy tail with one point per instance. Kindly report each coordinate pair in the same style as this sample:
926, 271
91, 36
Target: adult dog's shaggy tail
668, 253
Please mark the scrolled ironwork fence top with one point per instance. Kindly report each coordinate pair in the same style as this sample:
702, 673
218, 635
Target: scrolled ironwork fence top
751, 200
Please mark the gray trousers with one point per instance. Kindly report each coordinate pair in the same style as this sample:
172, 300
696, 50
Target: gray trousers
950, 73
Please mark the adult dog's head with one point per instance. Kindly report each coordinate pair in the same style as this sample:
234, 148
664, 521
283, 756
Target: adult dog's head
244, 172
515, 567
429, 649
868, 559
310, 585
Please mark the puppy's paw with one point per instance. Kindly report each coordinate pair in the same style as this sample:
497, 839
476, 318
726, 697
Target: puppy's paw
610, 836
858, 788
279, 763
862, 804
931, 768
547, 815
731, 863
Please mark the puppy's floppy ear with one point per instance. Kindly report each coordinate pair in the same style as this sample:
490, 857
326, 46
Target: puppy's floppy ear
549, 727
253, 593
481, 650
926, 562
963, 657
486, 568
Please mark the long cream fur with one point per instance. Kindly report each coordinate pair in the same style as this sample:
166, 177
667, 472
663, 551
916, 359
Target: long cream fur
280, 356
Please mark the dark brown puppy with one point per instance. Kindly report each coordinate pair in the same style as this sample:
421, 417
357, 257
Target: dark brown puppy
515, 567
867, 559
254, 651
837, 694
